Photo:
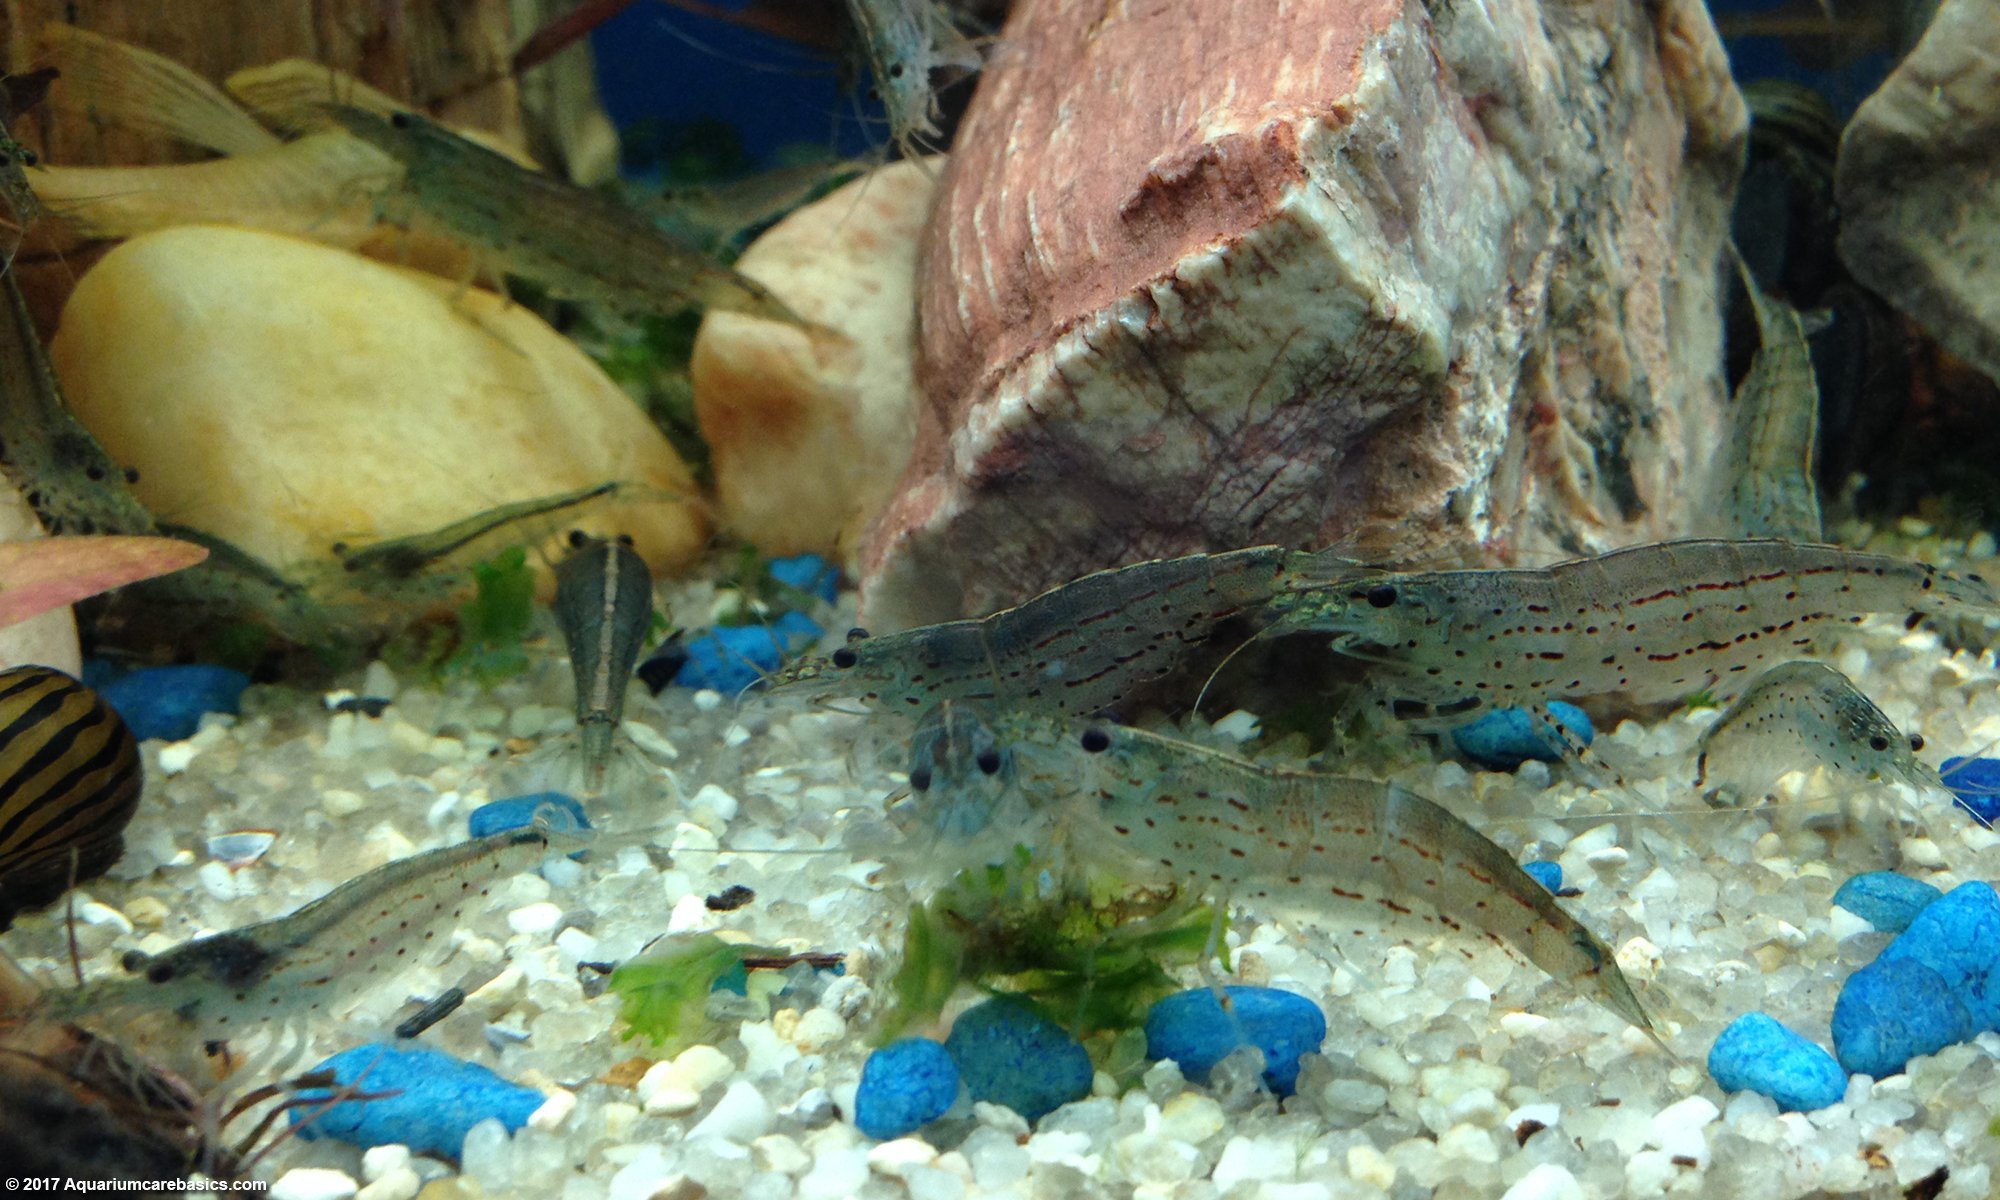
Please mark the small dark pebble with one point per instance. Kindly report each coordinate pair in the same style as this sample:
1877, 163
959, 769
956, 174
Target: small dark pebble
430, 1014
730, 899
168, 702
660, 667
367, 706
1526, 1130
1930, 1187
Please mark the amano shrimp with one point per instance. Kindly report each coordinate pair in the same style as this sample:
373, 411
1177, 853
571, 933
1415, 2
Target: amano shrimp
1076, 649
1299, 844
1650, 623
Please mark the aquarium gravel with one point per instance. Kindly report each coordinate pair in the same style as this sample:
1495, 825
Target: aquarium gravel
1448, 1067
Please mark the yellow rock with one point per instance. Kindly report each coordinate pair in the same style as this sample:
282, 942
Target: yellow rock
808, 438
288, 396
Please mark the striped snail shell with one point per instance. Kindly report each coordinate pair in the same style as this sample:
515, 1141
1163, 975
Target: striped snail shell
69, 782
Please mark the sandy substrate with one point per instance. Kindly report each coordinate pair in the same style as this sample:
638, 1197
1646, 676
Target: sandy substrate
1450, 1069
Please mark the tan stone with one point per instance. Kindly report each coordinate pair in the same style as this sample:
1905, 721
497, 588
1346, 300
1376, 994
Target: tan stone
808, 437
288, 396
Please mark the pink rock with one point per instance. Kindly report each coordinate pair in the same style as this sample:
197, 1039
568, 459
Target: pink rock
1211, 274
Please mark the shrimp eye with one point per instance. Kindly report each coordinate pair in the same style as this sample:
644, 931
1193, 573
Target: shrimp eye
857, 634
577, 538
29, 158
1381, 596
895, 70
845, 658
1096, 741
920, 778
159, 972
399, 120
988, 762
1916, 741
134, 960
625, 539
131, 474
1878, 743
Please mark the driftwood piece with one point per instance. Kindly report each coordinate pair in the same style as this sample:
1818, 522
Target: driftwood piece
1433, 281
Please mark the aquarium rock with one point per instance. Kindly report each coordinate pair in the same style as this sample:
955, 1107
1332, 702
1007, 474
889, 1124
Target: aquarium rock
47, 638
1190, 285
1891, 1011
517, 811
1958, 936
1975, 785
807, 436
1191, 1028
1506, 737
905, 1085
1756, 1054
1886, 900
1008, 1054
1918, 184
435, 402
730, 658
169, 702
809, 573
441, 1099
1548, 874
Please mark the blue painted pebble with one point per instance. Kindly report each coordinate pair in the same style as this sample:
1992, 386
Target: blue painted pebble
1756, 1054
1548, 874
1886, 900
1974, 783
517, 812
441, 1099
1891, 1011
168, 702
1506, 737
730, 658
1191, 1028
905, 1085
1009, 1054
1958, 936
809, 573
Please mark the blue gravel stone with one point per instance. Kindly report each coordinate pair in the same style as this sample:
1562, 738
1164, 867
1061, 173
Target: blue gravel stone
1506, 737
1891, 1011
1548, 874
1974, 783
809, 573
441, 1099
167, 702
516, 812
1886, 900
905, 1085
1009, 1054
1191, 1028
730, 658
1958, 936
1756, 1054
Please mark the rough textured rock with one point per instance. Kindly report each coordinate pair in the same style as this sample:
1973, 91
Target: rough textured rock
807, 437
286, 396
1433, 282
1918, 183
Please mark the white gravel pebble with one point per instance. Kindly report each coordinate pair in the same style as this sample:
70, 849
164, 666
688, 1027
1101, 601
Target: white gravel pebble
535, 918
313, 1183
377, 1161
1545, 1181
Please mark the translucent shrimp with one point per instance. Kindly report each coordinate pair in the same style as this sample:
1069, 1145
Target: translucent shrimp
1077, 649
1299, 844
1650, 623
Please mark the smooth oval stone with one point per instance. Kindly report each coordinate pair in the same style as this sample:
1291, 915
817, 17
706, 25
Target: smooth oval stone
730, 658
441, 1099
168, 702
1891, 1011
1506, 737
905, 1085
516, 812
1886, 900
1975, 785
1009, 1054
1756, 1054
1548, 874
1191, 1028
1958, 936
